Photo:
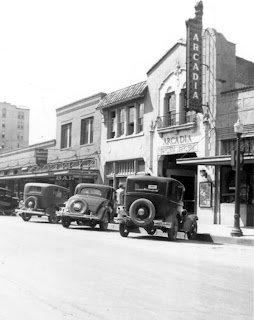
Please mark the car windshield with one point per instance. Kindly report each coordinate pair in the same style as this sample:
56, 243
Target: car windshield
91, 191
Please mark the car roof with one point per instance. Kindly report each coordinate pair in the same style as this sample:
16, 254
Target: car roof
152, 178
93, 185
44, 185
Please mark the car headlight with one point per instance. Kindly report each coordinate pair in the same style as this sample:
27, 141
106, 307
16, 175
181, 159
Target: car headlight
77, 206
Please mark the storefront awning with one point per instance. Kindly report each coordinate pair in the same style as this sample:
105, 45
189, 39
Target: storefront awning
213, 161
68, 172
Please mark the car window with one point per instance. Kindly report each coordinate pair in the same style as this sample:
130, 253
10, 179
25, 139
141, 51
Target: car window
149, 186
91, 191
34, 189
58, 194
177, 191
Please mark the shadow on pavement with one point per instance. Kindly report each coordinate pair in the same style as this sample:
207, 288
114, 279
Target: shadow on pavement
86, 228
207, 240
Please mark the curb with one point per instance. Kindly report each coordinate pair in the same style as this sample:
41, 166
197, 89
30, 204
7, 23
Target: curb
207, 237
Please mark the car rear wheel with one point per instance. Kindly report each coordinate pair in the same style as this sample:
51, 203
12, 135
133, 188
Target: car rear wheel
124, 232
104, 222
142, 212
66, 222
172, 232
26, 216
151, 231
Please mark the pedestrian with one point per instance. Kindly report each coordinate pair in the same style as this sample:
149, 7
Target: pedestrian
120, 200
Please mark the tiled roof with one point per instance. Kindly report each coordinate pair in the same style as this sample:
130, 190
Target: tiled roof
123, 95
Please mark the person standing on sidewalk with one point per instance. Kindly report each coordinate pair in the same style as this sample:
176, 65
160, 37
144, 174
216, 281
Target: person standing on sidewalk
120, 200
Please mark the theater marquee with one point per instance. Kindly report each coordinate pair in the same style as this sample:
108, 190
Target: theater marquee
194, 60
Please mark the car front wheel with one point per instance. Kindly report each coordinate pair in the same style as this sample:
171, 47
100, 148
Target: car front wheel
66, 222
124, 232
26, 216
192, 235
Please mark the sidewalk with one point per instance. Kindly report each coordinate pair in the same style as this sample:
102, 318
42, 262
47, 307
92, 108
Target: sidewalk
213, 233
221, 234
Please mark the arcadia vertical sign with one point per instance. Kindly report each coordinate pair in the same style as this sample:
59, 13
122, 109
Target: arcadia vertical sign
194, 60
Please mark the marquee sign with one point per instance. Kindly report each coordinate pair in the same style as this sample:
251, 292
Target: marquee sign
194, 60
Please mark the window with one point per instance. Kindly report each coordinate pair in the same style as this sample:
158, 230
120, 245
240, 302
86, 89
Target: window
20, 115
140, 112
3, 135
86, 135
112, 124
4, 113
170, 109
120, 124
130, 128
66, 135
3, 125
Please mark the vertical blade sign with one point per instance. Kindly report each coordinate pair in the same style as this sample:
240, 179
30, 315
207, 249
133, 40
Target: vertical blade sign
194, 60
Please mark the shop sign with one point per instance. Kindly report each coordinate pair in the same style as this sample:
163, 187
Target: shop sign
41, 156
174, 149
194, 60
64, 178
178, 144
177, 139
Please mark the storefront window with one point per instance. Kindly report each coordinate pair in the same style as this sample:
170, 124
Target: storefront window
246, 145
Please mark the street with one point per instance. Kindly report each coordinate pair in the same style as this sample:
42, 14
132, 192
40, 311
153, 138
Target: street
48, 272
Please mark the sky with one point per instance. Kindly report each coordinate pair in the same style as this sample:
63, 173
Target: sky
55, 52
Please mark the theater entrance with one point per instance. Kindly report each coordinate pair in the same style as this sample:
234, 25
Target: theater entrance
187, 174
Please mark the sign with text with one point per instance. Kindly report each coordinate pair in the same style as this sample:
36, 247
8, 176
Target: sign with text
194, 60
41, 156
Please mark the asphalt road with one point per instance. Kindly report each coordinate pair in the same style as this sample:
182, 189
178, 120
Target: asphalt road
48, 272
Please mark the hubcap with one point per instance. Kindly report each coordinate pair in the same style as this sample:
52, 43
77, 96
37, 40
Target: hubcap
141, 212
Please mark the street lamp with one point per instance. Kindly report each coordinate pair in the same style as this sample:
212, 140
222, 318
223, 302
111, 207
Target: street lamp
236, 230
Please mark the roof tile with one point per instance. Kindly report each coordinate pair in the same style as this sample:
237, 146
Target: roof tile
134, 91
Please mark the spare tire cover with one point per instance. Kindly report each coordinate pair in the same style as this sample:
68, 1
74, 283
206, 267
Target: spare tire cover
142, 212
73, 201
31, 202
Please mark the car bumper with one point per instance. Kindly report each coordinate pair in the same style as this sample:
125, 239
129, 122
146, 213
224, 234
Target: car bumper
156, 223
31, 212
34, 213
77, 216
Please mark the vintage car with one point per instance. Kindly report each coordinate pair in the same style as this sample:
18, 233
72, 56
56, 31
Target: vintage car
7, 201
91, 204
43, 199
156, 203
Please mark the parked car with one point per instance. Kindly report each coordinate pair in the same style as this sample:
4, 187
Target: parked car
91, 204
156, 203
7, 201
43, 199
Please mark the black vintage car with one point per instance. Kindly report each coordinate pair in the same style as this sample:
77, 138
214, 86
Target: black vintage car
7, 201
91, 204
43, 199
156, 203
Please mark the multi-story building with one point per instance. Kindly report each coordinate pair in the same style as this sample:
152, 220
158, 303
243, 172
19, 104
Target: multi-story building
72, 158
14, 127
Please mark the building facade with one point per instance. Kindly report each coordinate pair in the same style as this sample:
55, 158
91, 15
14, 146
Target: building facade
14, 127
